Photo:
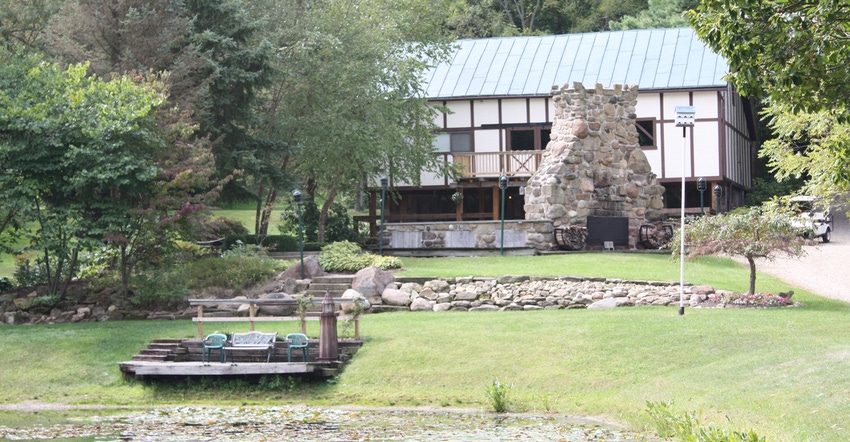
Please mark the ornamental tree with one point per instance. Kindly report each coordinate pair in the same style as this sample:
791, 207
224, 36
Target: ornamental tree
752, 233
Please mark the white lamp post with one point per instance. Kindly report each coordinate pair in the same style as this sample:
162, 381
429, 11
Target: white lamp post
685, 116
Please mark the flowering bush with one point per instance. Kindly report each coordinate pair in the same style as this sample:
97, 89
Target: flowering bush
752, 300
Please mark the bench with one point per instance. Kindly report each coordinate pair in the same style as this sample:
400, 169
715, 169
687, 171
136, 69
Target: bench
252, 341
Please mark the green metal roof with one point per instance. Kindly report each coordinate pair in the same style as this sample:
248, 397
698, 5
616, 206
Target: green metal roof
526, 66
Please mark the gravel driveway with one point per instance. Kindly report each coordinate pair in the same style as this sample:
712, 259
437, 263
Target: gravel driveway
824, 269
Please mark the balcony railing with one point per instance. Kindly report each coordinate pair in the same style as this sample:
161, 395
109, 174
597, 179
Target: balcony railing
493, 164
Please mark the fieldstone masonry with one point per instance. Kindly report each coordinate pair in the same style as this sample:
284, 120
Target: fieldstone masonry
536, 293
593, 164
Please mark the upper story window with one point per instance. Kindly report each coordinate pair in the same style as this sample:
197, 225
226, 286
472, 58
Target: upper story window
453, 142
646, 133
528, 138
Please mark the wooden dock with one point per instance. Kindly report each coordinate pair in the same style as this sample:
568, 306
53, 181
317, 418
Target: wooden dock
182, 357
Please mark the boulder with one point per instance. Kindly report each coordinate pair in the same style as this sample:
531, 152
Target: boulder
395, 297
371, 283
437, 285
348, 307
421, 305
278, 310
604, 303
312, 268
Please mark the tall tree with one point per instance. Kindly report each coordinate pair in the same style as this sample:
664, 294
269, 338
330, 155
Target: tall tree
794, 53
348, 95
22, 23
660, 14
80, 150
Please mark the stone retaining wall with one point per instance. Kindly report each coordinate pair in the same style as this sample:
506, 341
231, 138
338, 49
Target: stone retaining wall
468, 234
536, 293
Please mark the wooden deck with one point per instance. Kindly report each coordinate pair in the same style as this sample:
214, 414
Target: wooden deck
182, 357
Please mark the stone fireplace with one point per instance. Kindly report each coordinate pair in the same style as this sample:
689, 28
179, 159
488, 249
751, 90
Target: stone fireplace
593, 173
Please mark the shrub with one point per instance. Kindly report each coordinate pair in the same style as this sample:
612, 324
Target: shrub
497, 396
5, 284
687, 427
159, 288
242, 266
272, 243
338, 225
345, 256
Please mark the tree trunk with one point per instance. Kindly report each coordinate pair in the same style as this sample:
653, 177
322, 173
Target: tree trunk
268, 208
752, 262
258, 215
323, 214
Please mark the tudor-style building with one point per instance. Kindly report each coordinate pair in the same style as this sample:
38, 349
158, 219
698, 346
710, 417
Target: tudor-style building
499, 95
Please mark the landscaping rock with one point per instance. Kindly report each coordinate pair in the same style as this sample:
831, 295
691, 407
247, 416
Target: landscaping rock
421, 305
394, 297
348, 307
277, 310
371, 283
437, 285
312, 268
604, 303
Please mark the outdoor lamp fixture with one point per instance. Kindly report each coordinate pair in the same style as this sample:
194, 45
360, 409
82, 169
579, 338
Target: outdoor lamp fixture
718, 192
296, 196
503, 184
384, 183
685, 116
701, 188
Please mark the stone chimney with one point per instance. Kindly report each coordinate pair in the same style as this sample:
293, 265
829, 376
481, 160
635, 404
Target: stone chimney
593, 165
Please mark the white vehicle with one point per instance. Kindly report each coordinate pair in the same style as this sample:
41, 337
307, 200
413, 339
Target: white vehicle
812, 220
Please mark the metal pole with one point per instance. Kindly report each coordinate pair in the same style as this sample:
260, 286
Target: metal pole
682, 226
503, 184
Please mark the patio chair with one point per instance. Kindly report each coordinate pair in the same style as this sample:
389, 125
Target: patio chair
297, 340
214, 341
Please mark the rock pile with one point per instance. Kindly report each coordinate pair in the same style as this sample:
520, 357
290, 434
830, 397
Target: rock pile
535, 293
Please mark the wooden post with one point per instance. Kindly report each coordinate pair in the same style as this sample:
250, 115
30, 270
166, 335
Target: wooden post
328, 341
200, 323
357, 328
252, 310
496, 214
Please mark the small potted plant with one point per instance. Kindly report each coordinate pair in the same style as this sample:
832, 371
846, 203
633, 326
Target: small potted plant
457, 197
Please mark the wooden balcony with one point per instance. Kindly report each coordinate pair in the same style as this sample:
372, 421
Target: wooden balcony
494, 164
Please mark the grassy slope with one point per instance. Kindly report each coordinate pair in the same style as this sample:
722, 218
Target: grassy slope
781, 372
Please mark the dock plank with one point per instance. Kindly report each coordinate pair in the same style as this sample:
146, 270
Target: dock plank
146, 368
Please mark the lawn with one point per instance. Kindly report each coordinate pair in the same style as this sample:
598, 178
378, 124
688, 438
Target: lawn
778, 371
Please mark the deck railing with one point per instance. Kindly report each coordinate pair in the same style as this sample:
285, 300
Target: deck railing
493, 164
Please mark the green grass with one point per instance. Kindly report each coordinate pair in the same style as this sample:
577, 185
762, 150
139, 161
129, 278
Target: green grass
781, 372
721, 273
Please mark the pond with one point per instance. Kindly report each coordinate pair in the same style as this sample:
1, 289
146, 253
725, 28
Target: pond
303, 424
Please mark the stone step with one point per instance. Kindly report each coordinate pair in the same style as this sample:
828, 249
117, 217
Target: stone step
332, 279
329, 287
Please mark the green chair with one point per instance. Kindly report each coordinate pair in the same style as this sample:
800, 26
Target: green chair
214, 341
297, 340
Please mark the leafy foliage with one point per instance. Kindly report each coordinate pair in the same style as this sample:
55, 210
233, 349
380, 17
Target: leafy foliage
687, 427
793, 52
751, 233
345, 256
497, 395
660, 14
338, 224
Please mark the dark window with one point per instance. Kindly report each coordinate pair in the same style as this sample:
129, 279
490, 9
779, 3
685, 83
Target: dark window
528, 138
646, 133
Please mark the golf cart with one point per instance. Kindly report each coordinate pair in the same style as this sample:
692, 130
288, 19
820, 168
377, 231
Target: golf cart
812, 220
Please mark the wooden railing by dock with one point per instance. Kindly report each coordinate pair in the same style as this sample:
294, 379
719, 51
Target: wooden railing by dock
252, 317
